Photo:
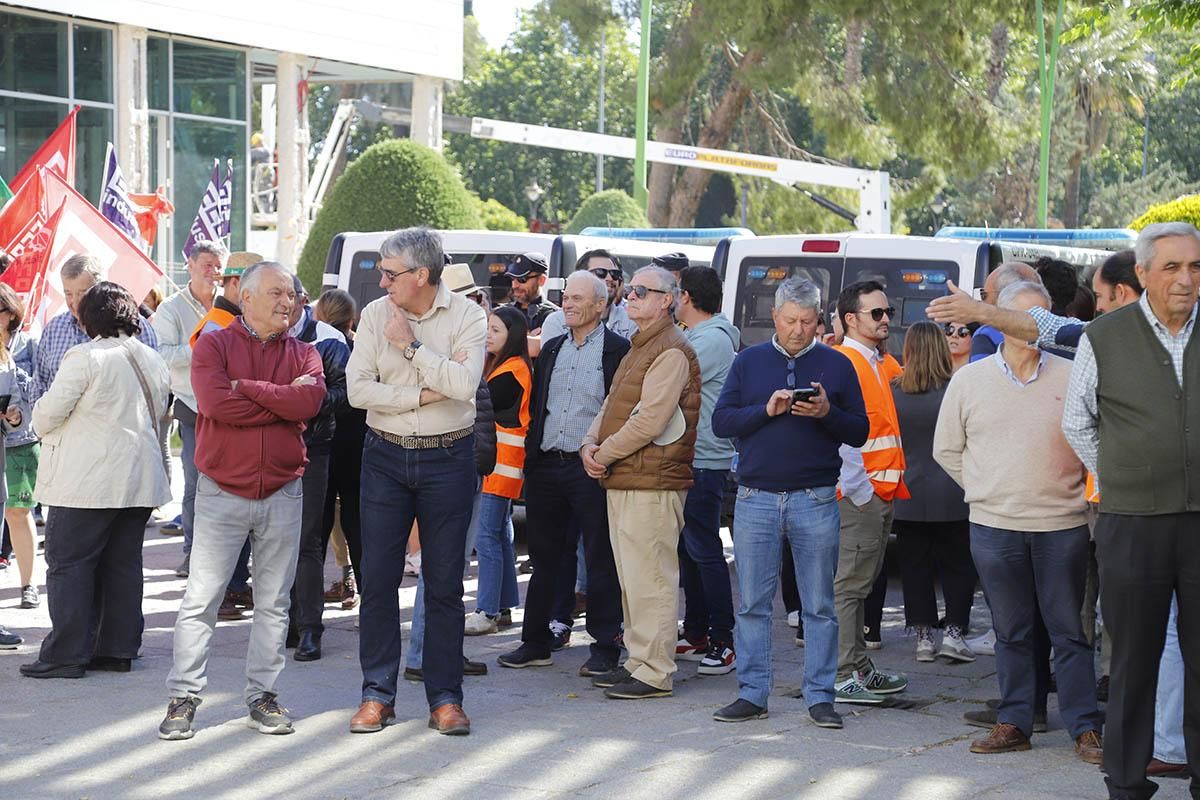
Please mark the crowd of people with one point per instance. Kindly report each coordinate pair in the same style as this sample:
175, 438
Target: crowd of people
1018, 446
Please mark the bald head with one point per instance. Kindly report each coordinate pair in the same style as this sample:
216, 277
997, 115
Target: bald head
1005, 275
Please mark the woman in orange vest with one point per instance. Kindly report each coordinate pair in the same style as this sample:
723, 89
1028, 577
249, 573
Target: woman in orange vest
509, 381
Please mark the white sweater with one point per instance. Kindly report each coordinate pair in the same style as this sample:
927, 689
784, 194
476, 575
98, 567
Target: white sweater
1004, 445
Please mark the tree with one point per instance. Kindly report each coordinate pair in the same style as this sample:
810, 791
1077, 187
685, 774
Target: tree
611, 208
498, 217
1185, 209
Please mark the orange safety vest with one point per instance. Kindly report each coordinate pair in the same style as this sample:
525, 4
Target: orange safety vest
883, 455
1089, 489
509, 476
215, 320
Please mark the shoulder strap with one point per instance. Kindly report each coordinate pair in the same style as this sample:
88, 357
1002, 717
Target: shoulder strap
141, 376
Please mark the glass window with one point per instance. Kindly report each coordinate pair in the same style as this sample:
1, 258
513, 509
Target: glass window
93, 132
33, 55
210, 81
93, 64
196, 144
158, 73
24, 126
761, 276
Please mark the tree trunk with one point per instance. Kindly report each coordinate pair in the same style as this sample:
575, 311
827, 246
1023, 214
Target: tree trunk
689, 188
1070, 215
996, 62
662, 176
852, 61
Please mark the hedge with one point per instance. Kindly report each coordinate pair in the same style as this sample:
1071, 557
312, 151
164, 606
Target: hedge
1183, 209
498, 217
396, 183
611, 208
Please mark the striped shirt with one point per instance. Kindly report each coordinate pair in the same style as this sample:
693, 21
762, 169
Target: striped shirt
576, 392
61, 334
1081, 414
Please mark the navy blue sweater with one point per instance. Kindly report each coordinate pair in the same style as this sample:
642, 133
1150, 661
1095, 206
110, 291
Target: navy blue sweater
788, 453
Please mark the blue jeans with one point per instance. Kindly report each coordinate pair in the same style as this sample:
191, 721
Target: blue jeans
1020, 573
708, 599
1168, 703
810, 522
187, 455
497, 563
399, 486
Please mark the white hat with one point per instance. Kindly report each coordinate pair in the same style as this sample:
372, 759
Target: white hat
459, 279
675, 429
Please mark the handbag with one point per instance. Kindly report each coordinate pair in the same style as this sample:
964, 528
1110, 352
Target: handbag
149, 398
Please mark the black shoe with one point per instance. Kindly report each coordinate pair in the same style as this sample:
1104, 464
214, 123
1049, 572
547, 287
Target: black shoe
309, 647
597, 665
1102, 689
633, 689
610, 679
413, 674
8, 639
473, 667
823, 716
562, 635
293, 638
40, 669
527, 655
178, 723
110, 664
740, 711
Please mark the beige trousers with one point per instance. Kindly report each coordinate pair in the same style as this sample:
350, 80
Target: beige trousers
864, 537
644, 527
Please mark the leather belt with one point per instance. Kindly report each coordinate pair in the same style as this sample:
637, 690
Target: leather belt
423, 442
562, 455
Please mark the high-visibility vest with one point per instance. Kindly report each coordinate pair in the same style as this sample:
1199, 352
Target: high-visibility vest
216, 319
883, 455
1090, 490
509, 476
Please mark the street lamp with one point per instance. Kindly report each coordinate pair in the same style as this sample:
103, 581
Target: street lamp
937, 206
534, 193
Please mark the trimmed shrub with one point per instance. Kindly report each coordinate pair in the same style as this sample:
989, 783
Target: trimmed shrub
498, 217
1183, 209
396, 183
611, 208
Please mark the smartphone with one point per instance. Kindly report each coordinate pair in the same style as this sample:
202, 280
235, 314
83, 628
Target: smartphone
5, 399
804, 395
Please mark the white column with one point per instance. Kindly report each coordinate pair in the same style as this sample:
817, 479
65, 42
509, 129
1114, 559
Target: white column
132, 124
292, 140
427, 111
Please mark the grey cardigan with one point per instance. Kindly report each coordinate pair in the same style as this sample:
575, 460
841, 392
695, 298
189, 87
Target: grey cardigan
935, 495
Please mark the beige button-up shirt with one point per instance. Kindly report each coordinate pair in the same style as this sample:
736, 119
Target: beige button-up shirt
381, 380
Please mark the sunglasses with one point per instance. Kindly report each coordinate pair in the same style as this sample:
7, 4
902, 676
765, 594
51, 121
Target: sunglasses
523, 278
602, 273
392, 275
641, 291
878, 313
962, 332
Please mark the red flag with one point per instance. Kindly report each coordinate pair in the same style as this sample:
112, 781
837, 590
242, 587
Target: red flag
20, 220
56, 154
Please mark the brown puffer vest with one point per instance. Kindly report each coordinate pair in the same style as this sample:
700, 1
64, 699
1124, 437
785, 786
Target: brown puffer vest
654, 466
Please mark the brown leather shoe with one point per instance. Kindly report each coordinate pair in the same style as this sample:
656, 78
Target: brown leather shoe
450, 720
372, 716
1003, 738
1090, 747
1165, 769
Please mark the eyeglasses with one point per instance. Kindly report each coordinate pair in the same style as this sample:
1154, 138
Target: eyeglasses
602, 273
392, 275
877, 313
641, 291
961, 332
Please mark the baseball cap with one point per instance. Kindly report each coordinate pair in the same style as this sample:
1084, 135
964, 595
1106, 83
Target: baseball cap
672, 262
526, 264
237, 264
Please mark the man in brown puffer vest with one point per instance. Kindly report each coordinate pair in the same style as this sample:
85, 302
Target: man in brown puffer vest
640, 448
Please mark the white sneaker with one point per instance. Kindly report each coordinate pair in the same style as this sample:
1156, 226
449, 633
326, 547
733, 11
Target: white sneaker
793, 619
925, 646
953, 646
412, 564
479, 624
983, 645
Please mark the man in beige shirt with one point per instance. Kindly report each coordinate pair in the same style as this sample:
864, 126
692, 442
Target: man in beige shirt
417, 361
640, 448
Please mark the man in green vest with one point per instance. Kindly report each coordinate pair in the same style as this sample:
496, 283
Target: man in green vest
1132, 414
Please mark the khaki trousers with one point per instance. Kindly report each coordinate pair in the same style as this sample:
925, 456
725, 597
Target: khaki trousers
644, 526
864, 537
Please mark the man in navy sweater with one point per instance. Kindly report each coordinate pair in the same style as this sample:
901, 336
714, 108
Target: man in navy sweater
787, 470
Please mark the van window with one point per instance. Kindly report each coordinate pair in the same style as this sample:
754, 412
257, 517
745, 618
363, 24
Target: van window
910, 285
761, 276
364, 279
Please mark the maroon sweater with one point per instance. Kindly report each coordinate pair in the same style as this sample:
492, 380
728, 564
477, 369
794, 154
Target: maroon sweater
249, 439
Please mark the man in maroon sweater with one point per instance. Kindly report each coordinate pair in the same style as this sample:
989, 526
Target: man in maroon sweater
255, 388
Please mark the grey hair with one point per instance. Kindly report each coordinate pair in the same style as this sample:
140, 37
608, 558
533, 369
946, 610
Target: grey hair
422, 246
800, 291
212, 248
253, 275
598, 287
666, 282
1011, 272
1144, 247
1009, 294
79, 264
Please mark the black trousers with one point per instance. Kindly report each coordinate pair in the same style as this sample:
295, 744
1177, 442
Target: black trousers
929, 551
556, 489
1143, 561
308, 589
345, 471
94, 583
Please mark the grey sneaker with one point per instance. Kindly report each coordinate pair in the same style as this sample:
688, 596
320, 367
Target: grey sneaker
852, 690
953, 646
29, 597
881, 682
267, 716
926, 650
178, 723
185, 567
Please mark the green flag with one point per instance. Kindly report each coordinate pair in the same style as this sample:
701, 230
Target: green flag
5, 192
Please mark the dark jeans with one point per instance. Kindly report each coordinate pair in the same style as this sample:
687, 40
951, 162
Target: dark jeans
929, 551
1143, 561
308, 591
557, 488
94, 583
345, 475
708, 599
563, 608
1022, 572
433, 487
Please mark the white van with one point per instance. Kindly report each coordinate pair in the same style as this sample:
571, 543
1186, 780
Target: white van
914, 270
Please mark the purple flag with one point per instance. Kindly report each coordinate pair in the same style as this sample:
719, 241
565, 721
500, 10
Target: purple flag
226, 200
114, 199
208, 224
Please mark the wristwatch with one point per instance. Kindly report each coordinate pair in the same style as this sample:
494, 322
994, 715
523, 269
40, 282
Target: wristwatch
412, 349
